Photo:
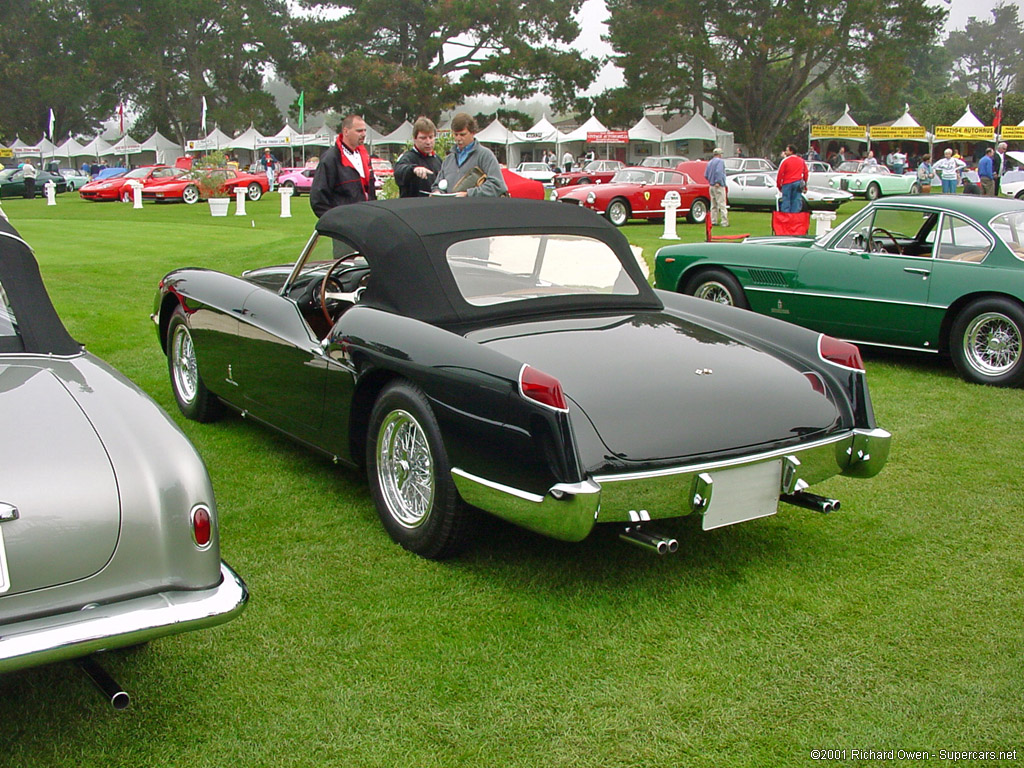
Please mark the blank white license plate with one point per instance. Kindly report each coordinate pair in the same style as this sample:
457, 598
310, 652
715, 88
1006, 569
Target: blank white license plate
743, 493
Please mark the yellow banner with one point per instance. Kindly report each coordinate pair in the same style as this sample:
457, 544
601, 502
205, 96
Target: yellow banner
976, 133
1012, 132
885, 132
5, 152
838, 132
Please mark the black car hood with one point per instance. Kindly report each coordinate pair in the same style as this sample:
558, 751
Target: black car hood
658, 388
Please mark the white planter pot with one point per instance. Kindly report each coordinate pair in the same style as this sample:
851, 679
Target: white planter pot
219, 206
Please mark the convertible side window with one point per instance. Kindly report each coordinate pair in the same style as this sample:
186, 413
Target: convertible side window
960, 240
8, 322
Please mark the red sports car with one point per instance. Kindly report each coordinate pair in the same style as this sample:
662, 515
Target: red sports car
595, 172
520, 186
186, 187
637, 193
117, 187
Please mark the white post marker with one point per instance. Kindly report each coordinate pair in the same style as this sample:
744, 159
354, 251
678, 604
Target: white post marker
136, 186
240, 201
671, 204
286, 202
51, 192
823, 222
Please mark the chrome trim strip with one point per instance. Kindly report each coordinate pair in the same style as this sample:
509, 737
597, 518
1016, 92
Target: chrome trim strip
791, 292
114, 625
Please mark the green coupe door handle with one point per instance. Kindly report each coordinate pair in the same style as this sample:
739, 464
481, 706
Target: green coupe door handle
8, 512
917, 271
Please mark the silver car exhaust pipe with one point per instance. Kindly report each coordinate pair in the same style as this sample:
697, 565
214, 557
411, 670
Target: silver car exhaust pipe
653, 542
811, 501
117, 696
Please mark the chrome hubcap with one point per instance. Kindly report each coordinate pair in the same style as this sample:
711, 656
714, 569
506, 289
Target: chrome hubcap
992, 344
183, 359
715, 292
405, 469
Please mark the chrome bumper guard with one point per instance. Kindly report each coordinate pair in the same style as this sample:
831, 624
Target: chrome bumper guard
570, 511
115, 625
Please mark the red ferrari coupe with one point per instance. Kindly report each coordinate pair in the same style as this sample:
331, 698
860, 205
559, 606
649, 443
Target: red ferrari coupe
186, 186
595, 172
117, 187
637, 193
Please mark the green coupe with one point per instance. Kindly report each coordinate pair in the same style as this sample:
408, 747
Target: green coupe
936, 273
872, 181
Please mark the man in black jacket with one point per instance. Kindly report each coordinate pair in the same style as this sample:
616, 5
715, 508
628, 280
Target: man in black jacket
344, 174
416, 169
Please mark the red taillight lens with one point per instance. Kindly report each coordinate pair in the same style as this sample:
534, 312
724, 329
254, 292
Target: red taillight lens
542, 388
841, 353
202, 527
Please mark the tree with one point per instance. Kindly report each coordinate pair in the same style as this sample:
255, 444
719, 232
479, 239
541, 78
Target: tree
39, 40
755, 61
986, 54
395, 59
173, 53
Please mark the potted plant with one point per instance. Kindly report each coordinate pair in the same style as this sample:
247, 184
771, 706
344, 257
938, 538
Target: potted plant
210, 180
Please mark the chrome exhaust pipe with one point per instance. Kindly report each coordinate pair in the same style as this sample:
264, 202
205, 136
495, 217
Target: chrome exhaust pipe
811, 501
102, 679
650, 541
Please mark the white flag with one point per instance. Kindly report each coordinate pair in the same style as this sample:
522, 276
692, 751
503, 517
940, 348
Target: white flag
204, 116
51, 125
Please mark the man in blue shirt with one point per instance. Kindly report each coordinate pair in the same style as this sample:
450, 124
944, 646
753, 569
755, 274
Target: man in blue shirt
986, 174
715, 175
470, 169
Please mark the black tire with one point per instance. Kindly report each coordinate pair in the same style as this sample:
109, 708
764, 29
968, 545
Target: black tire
254, 192
584, 180
873, 192
410, 477
190, 194
191, 394
698, 211
291, 185
719, 286
915, 188
987, 342
618, 212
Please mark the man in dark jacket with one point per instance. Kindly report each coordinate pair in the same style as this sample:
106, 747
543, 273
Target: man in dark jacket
416, 169
344, 174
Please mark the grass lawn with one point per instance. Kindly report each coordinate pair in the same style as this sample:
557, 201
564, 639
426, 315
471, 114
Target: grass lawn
894, 624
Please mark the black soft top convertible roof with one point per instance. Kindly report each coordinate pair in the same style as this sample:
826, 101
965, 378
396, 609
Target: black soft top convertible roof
39, 327
405, 242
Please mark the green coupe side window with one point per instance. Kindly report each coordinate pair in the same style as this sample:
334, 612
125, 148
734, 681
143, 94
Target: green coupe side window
1009, 227
960, 240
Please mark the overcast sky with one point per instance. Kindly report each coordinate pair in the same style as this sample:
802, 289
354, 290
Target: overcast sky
593, 14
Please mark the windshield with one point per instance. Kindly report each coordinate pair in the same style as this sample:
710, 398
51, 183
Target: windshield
504, 268
1009, 227
634, 176
7, 173
534, 167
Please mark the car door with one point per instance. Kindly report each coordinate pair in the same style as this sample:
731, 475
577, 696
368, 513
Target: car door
856, 291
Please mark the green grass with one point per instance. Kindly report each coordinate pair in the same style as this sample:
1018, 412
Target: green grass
892, 624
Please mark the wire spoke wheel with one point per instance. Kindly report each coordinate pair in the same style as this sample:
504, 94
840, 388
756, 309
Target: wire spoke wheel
405, 469
992, 344
183, 364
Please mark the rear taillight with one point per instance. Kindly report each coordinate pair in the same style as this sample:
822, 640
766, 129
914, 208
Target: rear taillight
202, 527
841, 353
540, 387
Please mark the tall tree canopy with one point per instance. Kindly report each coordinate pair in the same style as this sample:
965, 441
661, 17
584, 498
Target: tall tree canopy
754, 61
395, 59
986, 54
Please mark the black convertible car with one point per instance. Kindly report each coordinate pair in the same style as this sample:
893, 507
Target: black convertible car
509, 356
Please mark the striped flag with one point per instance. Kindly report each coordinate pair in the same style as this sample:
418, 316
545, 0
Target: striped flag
997, 112
120, 114
302, 110
203, 120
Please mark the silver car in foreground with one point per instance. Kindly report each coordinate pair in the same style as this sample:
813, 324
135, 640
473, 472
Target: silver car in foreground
108, 525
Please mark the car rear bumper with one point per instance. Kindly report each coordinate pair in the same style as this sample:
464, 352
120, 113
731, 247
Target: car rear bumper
115, 625
569, 512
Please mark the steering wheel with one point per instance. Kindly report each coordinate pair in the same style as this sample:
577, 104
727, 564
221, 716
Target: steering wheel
328, 278
872, 242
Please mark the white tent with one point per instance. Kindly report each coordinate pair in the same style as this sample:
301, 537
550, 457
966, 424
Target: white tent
968, 120
845, 129
69, 149
592, 125
95, 147
542, 135
645, 130
248, 139
402, 135
498, 134
164, 150
126, 146
696, 131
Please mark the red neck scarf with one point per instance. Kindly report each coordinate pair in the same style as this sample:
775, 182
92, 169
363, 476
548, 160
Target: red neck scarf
363, 155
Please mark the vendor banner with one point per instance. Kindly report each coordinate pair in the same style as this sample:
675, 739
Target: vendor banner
608, 137
199, 145
271, 141
28, 152
5, 152
838, 132
968, 132
1012, 133
890, 132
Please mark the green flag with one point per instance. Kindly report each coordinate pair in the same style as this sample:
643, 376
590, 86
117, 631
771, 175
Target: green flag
302, 110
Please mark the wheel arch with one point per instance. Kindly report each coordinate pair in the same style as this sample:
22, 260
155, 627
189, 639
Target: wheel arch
168, 304
954, 310
368, 389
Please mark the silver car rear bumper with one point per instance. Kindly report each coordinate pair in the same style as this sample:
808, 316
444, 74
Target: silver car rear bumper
569, 512
116, 625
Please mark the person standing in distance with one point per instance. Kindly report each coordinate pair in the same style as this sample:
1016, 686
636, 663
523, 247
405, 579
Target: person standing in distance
466, 156
344, 175
792, 180
715, 175
416, 170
